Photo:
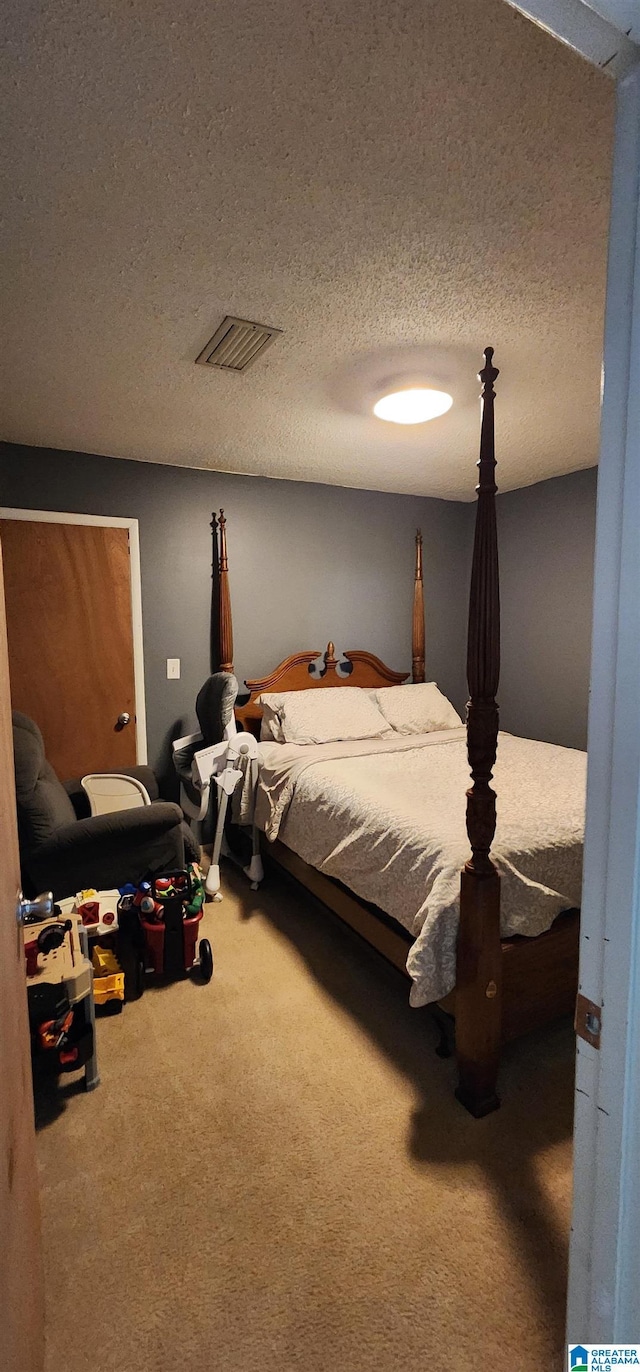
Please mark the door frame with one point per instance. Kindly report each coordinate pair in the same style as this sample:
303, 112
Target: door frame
604, 1252
113, 522
598, 30
604, 1267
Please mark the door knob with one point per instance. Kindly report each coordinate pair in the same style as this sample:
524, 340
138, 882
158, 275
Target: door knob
123, 719
34, 911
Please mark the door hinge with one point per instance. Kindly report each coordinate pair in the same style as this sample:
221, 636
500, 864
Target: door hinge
588, 1021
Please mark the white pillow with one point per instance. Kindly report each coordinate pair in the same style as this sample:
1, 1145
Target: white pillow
417, 709
325, 716
271, 722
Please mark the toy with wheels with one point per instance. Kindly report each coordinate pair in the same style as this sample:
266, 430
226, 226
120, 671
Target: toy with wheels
108, 980
170, 909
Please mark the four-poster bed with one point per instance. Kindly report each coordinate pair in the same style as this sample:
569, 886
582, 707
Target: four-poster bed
503, 986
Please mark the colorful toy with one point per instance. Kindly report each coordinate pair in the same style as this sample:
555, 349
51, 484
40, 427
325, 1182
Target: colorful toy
54, 1033
146, 903
170, 910
89, 912
31, 951
47, 941
62, 1038
108, 978
97, 909
195, 905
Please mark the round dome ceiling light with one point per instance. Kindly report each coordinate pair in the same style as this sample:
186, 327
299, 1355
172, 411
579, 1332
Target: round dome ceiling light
413, 405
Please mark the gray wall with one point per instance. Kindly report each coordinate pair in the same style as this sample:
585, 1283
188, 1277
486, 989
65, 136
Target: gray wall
546, 538
308, 563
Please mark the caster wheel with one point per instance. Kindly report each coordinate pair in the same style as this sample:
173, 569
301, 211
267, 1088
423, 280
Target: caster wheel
217, 896
206, 960
255, 885
135, 978
141, 978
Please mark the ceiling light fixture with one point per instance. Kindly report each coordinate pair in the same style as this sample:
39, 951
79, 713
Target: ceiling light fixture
413, 405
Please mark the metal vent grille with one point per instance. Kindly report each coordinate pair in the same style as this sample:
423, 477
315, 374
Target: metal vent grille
236, 344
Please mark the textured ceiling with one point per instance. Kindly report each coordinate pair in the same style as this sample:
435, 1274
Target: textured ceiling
394, 183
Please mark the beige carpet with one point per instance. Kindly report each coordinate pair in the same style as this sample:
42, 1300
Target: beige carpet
274, 1175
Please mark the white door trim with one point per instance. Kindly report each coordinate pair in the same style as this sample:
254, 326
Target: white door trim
604, 1256
111, 522
624, 14
583, 26
604, 1269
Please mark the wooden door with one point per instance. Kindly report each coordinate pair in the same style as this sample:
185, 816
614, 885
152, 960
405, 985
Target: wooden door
68, 599
21, 1290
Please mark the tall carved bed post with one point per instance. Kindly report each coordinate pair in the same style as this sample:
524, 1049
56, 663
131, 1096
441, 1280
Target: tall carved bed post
226, 626
417, 635
479, 970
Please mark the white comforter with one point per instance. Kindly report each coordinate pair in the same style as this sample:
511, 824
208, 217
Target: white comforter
387, 818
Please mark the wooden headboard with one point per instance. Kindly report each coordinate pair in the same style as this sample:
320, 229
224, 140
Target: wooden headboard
304, 671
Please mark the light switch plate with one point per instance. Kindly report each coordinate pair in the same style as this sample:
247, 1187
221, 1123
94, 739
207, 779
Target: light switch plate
173, 669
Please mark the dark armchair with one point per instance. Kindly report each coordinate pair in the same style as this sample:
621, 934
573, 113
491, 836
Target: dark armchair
65, 854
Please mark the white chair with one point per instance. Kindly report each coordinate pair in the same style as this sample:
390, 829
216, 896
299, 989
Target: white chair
109, 791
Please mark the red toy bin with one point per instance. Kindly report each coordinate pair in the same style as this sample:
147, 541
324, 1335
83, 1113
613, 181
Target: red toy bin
170, 932
154, 939
190, 935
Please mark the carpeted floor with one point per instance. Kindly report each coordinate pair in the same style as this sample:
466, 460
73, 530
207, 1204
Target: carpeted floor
274, 1174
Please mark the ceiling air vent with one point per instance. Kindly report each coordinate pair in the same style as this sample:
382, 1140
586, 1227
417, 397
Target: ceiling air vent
236, 344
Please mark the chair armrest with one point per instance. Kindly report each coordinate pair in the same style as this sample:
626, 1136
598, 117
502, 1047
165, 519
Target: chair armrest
141, 825
108, 850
